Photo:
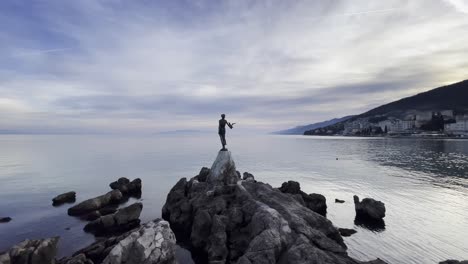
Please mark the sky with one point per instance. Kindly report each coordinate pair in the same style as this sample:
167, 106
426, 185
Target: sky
146, 66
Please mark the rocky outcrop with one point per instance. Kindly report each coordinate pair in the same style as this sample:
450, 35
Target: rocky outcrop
154, 242
248, 177
127, 187
225, 220
90, 205
151, 243
101, 212
369, 208
315, 202
346, 232
68, 197
41, 251
123, 220
223, 170
5, 219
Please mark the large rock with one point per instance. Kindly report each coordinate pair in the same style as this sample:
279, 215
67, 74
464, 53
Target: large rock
152, 243
127, 187
369, 208
123, 220
315, 202
85, 207
40, 251
68, 197
223, 169
249, 222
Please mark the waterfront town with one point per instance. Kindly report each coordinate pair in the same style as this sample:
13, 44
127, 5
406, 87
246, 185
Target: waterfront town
425, 124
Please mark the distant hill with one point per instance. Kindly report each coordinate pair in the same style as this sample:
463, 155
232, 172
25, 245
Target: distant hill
299, 130
451, 97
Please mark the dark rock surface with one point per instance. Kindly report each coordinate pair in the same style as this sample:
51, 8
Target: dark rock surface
123, 220
369, 208
152, 243
68, 197
315, 202
451, 261
5, 219
339, 201
40, 251
101, 212
93, 204
127, 187
375, 261
248, 177
347, 232
222, 221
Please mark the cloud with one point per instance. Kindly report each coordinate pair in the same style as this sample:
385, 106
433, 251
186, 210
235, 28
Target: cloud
149, 66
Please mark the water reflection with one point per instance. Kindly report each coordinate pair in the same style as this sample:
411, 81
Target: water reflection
372, 225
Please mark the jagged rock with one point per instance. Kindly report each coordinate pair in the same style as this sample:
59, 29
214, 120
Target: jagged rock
5, 219
123, 220
339, 201
148, 241
40, 251
223, 169
346, 232
101, 212
68, 197
204, 172
85, 207
249, 222
248, 177
154, 243
369, 208
315, 202
127, 187
451, 261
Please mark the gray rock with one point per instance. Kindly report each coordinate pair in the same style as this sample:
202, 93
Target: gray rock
85, 207
339, 201
451, 261
127, 187
223, 169
248, 177
315, 202
123, 220
68, 197
140, 245
5, 219
250, 222
40, 251
369, 208
152, 243
204, 172
347, 232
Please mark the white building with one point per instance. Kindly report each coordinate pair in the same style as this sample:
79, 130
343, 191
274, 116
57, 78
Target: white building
460, 127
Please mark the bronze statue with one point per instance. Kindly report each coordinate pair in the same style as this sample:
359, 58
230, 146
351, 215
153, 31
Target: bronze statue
222, 130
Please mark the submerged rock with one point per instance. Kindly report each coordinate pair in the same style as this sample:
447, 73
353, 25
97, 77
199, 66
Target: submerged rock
40, 251
93, 204
315, 202
451, 261
68, 197
151, 243
248, 222
347, 232
5, 219
123, 220
369, 208
127, 187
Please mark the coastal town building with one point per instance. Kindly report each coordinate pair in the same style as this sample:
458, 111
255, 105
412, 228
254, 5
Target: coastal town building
460, 127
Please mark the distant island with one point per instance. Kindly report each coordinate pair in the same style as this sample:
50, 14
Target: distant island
441, 112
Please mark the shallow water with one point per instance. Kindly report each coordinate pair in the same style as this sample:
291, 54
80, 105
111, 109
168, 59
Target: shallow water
423, 183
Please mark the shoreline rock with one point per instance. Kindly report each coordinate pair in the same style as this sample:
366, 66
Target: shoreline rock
123, 220
127, 187
248, 222
346, 232
39, 251
369, 208
315, 202
68, 197
5, 219
96, 203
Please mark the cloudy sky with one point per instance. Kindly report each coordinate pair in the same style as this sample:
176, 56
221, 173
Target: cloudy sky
146, 66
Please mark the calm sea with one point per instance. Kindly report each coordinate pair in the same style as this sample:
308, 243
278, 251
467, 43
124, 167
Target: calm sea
424, 183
